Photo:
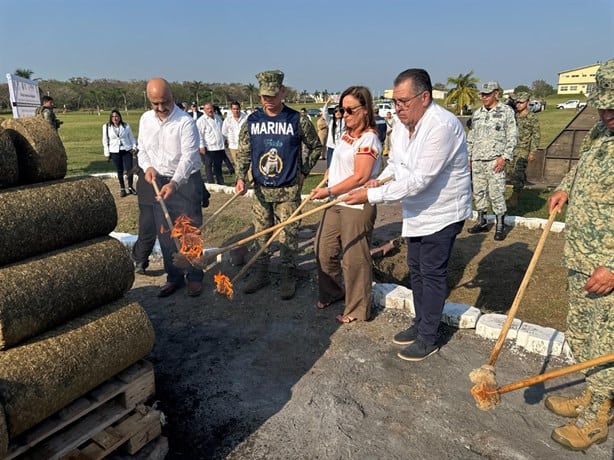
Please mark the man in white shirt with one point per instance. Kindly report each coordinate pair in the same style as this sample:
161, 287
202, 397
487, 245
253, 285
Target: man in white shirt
230, 129
168, 143
194, 112
211, 144
429, 165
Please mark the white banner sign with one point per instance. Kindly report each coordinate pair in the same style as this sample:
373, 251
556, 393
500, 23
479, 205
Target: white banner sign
24, 94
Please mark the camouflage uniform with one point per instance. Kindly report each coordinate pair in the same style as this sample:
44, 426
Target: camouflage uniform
529, 136
276, 204
589, 244
493, 133
49, 115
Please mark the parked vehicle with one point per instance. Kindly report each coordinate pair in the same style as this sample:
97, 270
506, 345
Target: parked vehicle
313, 112
535, 106
384, 107
571, 104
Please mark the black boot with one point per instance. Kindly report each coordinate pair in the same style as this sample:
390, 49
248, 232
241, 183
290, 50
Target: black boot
481, 225
500, 228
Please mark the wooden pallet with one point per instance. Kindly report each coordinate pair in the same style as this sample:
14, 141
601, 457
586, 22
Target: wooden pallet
96, 424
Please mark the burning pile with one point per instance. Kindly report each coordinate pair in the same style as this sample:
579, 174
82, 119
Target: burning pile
223, 285
189, 237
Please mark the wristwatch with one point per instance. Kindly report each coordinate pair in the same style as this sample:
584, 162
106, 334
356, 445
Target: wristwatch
330, 193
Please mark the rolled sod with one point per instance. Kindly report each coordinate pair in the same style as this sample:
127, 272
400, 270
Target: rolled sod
39, 218
43, 292
40, 153
9, 172
43, 375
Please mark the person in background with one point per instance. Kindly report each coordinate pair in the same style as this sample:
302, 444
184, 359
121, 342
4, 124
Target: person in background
431, 178
227, 160
168, 143
304, 114
390, 121
146, 238
231, 127
119, 145
211, 144
380, 125
46, 111
194, 112
270, 144
343, 239
588, 255
491, 142
529, 136
336, 127
322, 129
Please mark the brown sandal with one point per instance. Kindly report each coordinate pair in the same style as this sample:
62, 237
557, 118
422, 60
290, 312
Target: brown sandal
345, 319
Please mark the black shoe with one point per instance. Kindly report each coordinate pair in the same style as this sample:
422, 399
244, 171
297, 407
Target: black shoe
131, 190
206, 202
140, 268
122, 193
417, 351
406, 337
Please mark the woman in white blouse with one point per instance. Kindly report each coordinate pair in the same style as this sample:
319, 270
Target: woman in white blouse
343, 240
119, 145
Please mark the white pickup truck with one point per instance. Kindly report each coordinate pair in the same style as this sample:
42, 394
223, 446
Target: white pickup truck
571, 104
384, 107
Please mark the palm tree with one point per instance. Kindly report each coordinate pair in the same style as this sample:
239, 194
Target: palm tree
24, 73
464, 93
250, 90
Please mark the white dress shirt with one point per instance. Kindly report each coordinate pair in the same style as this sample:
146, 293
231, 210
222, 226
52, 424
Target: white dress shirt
169, 146
116, 138
231, 128
210, 131
431, 173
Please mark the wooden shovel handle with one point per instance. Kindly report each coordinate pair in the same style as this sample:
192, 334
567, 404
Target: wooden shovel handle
169, 221
520, 293
603, 359
273, 237
219, 211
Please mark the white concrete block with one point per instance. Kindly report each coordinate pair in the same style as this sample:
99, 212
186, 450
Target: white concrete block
489, 326
460, 315
390, 295
541, 340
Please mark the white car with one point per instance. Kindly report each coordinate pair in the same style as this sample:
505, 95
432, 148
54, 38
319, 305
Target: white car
384, 107
571, 104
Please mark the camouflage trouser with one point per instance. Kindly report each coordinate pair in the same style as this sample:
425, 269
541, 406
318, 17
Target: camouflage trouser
267, 214
516, 171
488, 185
590, 332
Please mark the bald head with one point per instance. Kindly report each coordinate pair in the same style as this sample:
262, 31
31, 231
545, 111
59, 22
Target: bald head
161, 97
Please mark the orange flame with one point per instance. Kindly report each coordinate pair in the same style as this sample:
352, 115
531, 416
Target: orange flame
188, 234
223, 285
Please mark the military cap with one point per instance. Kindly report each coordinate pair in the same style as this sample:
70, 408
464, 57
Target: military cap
521, 96
270, 82
602, 96
489, 87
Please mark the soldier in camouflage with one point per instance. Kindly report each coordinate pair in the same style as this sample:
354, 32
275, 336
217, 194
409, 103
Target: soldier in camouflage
270, 143
491, 141
46, 112
589, 258
529, 136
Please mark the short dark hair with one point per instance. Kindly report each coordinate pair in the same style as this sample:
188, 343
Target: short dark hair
235, 103
46, 98
421, 81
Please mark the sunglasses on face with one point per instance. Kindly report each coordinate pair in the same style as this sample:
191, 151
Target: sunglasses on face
349, 110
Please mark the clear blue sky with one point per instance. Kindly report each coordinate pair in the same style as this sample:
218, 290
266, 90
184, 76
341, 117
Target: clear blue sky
319, 44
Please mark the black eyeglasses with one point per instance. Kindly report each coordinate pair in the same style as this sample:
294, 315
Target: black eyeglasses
404, 102
349, 110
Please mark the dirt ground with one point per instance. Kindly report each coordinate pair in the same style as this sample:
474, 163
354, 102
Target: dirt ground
257, 377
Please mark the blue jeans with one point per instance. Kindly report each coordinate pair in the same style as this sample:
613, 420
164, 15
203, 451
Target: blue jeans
427, 258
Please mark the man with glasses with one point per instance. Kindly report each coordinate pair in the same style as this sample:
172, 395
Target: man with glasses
270, 143
529, 136
491, 143
429, 165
